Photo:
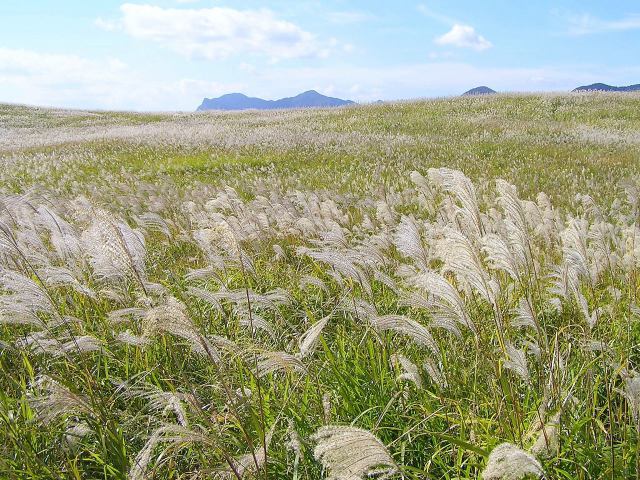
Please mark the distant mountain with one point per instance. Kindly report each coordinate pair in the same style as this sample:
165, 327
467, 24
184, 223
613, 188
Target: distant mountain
239, 101
603, 87
479, 91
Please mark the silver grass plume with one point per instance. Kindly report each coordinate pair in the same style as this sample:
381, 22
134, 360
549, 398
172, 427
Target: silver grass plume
75, 434
341, 264
63, 277
212, 298
308, 340
409, 370
54, 401
548, 443
124, 314
307, 281
518, 223
508, 462
25, 301
158, 400
350, 453
516, 361
62, 235
574, 249
631, 393
512, 205
271, 362
406, 326
171, 317
445, 299
590, 317
408, 241
462, 258
129, 338
435, 373
115, 250
80, 344
253, 320
175, 435
532, 348
418, 301
456, 184
293, 444
326, 407
427, 200
153, 222
500, 256
525, 316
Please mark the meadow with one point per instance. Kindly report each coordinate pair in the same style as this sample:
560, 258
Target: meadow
438, 289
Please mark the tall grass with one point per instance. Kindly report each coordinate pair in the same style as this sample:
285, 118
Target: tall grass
322, 294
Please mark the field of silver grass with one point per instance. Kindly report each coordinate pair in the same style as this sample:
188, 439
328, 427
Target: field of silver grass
369, 292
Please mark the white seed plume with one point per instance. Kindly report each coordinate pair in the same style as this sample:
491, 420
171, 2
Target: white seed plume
308, 340
115, 250
55, 401
309, 280
456, 184
525, 317
171, 317
406, 326
174, 435
271, 362
516, 361
350, 453
508, 462
548, 442
435, 373
631, 393
446, 299
409, 370
25, 301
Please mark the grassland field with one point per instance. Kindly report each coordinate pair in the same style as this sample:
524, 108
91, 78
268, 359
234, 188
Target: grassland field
428, 289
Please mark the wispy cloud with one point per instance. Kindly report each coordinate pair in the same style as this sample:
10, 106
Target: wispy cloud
427, 12
587, 24
215, 33
464, 36
349, 17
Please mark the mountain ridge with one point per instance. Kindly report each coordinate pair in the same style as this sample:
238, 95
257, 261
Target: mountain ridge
240, 101
603, 87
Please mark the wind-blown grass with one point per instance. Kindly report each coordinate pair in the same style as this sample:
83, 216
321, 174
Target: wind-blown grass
368, 291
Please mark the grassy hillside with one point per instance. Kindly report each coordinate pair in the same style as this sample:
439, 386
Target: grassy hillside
331, 293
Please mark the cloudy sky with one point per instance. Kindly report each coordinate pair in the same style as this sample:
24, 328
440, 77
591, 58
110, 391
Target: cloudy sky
169, 54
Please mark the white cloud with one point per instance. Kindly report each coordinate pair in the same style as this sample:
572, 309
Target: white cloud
464, 36
215, 33
587, 24
63, 80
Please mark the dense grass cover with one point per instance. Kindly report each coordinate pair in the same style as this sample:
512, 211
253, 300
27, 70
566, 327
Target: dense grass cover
378, 291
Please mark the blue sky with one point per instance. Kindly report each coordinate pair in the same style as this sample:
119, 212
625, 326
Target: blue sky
169, 54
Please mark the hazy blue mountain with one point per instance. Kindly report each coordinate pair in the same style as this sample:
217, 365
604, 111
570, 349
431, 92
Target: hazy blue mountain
603, 87
239, 101
482, 90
